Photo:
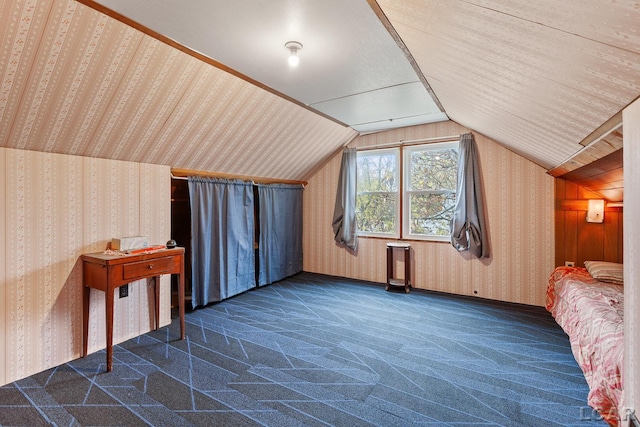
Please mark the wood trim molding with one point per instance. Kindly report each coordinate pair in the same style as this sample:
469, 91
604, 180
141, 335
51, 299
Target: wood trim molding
583, 205
603, 130
183, 173
599, 147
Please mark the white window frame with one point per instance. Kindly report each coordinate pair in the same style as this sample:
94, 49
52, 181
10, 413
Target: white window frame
407, 191
403, 193
396, 233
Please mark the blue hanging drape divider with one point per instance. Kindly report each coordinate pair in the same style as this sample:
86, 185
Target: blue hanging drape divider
280, 242
222, 235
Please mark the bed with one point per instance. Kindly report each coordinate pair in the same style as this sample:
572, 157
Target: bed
590, 310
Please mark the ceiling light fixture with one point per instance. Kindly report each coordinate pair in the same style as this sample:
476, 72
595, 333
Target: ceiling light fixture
293, 47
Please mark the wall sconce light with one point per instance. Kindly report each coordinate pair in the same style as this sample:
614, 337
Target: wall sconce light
595, 212
293, 47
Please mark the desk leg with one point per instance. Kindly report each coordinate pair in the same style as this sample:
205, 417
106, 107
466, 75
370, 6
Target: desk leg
109, 316
156, 285
86, 295
181, 300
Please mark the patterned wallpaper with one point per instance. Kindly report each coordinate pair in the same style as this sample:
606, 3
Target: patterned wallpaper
75, 81
3, 257
54, 208
519, 198
537, 76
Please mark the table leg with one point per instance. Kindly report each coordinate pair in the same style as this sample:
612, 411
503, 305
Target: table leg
86, 295
156, 285
109, 316
181, 298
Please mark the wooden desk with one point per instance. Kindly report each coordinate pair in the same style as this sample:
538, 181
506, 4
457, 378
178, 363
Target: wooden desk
108, 272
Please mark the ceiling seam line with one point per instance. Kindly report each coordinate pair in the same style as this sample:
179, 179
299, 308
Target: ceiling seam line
551, 28
363, 92
384, 120
386, 23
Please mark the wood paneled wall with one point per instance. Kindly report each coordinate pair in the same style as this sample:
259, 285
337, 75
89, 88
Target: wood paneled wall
605, 176
578, 240
53, 208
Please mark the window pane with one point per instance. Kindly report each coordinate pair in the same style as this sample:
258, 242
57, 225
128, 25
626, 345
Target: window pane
433, 169
376, 212
431, 213
377, 172
378, 202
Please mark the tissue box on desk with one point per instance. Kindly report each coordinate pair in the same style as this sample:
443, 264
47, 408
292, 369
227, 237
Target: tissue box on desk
128, 243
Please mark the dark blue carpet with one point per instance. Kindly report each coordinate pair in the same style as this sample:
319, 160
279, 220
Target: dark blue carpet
323, 351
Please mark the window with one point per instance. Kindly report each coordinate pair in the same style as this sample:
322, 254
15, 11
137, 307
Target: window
378, 201
430, 178
426, 191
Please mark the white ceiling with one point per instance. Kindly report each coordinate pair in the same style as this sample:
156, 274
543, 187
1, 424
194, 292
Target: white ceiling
351, 68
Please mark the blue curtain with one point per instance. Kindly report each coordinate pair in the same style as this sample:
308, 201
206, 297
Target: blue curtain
468, 225
222, 235
344, 210
280, 242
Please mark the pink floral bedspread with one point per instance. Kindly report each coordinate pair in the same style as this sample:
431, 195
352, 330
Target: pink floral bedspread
591, 313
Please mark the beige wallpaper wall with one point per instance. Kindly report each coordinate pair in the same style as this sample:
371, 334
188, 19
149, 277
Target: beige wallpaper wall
3, 282
519, 197
54, 208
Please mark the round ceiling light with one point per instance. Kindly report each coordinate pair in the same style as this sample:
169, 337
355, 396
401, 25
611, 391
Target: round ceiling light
293, 47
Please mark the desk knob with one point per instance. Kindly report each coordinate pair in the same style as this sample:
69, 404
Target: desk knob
150, 266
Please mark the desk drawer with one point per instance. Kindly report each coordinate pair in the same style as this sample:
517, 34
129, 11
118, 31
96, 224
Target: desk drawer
152, 267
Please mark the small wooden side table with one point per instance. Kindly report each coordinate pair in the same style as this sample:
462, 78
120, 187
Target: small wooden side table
391, 281
108, 272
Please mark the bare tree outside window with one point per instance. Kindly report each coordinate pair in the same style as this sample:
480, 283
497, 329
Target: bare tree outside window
377, 205
428, 185
431, 176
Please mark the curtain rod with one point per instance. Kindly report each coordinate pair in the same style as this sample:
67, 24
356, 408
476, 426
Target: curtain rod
185, 173
411, 142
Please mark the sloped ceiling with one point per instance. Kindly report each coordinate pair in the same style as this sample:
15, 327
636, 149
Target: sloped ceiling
350, 67
76, 81
537, 77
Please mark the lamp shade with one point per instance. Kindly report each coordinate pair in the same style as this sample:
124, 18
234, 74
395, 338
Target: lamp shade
595, 212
